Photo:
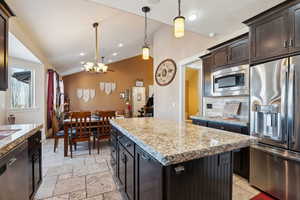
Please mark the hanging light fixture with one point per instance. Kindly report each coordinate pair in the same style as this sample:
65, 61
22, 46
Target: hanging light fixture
146, 49
179, 22
95, 66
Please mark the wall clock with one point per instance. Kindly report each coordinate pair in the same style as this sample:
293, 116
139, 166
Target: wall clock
165, 72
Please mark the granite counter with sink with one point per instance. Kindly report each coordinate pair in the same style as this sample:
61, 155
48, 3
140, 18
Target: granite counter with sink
13, 135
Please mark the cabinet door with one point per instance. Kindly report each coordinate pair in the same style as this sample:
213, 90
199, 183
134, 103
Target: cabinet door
129, 176
239, 51
122, 165
3, 52
220, 57
207, 68
269, 37
294, 41
148, 177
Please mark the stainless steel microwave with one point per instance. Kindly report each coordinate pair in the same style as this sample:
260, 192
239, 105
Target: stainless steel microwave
233, 81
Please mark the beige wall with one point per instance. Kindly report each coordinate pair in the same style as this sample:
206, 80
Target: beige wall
126, 72
2, 107
165, 45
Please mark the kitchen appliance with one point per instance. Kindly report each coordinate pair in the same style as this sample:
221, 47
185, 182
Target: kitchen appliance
231, 81
275, 118
14, 174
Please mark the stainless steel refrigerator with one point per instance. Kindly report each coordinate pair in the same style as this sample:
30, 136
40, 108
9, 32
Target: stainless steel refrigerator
275, 118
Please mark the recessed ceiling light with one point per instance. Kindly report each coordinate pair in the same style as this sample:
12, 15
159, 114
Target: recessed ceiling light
212, 34
109, 61
120, 45
192, 17
115, 54
82, 54
82, 62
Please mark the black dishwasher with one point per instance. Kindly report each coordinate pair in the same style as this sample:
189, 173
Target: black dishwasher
14, 174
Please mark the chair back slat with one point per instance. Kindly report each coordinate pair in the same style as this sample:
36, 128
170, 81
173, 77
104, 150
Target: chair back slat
81, 123
103, 124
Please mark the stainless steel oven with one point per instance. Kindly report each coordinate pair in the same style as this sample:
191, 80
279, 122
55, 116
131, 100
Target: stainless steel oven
231, 81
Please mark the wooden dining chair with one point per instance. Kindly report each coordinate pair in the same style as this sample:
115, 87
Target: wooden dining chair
81, 123
103, 125
56, 130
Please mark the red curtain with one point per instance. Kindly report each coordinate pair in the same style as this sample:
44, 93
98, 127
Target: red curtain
50, 98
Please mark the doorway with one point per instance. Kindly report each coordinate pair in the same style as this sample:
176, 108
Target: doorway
192, 91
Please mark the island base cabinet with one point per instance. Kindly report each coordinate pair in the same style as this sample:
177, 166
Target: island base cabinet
209, 178
149, 176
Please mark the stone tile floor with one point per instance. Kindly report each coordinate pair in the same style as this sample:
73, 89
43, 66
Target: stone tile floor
89, 177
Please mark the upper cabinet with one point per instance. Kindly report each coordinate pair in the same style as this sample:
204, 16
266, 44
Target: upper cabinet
229, 53
275, 33
295, 28
5, 13
207, 68
220, 57
239, 51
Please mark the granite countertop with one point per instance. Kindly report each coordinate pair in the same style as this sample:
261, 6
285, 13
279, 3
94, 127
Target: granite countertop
23, 132
222, 120
172, 142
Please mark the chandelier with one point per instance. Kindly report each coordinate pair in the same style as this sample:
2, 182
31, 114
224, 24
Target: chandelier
95, 66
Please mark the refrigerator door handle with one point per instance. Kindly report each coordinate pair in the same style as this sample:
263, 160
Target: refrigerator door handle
291, 95
284, 99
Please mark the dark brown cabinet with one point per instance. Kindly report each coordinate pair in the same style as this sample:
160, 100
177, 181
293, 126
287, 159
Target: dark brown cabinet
207, 68
148, 177
126, 172
241, 162
35, 163
294, 41
220, 57
270, 36
275, 33
238, 51
5, 13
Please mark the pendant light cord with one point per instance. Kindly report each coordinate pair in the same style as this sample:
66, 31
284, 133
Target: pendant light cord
179, 7
146, 27
97, 47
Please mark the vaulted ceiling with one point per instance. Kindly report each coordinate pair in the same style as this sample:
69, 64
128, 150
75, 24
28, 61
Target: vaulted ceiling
63, 28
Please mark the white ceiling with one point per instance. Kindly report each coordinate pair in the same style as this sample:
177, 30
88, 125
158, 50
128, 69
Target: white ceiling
221, 17
18, 50
64, 27
64, 30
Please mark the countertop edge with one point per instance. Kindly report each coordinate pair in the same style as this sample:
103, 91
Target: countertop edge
8, 147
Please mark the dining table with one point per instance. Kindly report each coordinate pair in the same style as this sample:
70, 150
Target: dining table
67, 124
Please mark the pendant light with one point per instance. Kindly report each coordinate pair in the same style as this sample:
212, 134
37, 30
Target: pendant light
179, 22
95, 66
146, 49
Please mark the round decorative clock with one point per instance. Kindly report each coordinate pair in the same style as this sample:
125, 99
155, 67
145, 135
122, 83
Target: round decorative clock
165, 72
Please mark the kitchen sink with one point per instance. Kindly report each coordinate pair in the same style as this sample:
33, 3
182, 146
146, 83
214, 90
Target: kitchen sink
7, 132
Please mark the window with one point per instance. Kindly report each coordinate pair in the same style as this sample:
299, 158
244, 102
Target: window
21, 88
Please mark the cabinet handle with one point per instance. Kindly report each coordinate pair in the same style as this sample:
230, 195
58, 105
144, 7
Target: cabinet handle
291, 43
11, 161
179, 169
128, 145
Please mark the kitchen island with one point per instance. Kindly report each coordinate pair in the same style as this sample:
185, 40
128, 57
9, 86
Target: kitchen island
166, 160
20, 161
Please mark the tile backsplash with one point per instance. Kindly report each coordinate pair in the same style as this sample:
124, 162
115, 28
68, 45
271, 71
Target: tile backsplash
214, 106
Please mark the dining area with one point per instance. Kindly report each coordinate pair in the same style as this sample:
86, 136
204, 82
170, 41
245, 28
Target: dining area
82, 128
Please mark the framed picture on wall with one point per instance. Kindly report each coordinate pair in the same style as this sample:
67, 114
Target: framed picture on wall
122, 95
